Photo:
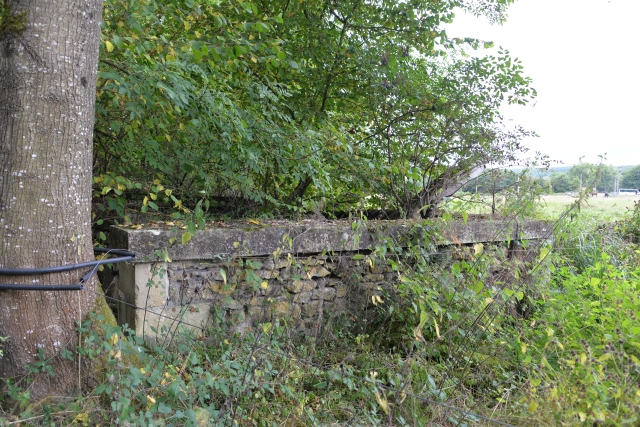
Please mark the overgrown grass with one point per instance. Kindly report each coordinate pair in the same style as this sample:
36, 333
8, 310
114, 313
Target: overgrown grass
584, 347
605, 209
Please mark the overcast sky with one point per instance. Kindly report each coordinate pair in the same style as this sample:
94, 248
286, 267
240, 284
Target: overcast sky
584, 59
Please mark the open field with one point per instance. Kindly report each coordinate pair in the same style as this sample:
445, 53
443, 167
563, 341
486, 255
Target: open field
607, 208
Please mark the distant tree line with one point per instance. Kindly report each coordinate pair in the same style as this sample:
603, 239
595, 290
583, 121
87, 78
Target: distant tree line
600, 177
631, 178
585, 175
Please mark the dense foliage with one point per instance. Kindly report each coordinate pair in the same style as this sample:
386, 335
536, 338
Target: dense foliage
631, 178
276, 106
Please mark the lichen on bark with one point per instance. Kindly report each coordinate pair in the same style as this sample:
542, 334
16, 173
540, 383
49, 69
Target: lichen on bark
11, 23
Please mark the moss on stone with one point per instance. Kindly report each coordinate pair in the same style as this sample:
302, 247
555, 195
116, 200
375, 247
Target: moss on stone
101, 307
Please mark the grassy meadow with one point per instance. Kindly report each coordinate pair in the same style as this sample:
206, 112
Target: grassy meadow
604, 208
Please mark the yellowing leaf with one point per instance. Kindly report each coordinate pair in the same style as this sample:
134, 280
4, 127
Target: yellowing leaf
186, 236
82, 419
254, 59
109, 46
253, 221
437, 328
478, 248
382, 402
187, 26
488, 300
543, 253
533, 406
583, 358
417, 333
153, 196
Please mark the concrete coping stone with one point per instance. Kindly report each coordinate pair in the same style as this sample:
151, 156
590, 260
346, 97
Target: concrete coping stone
264, 238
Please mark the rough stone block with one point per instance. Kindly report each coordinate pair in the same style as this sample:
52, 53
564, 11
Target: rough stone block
282, 309
368, 286
312, 261
372, 277
229, 303
298, 286
318, 272
332, 281
267, 274
257, 312
303, 297
311, 309
222, 288
341, 290
327, 294
256, 301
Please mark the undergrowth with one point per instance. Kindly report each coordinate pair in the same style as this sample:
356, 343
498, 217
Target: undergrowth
477, 335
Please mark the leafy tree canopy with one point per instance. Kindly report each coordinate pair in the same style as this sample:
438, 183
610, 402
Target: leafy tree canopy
282, 105
590, 175
631, 178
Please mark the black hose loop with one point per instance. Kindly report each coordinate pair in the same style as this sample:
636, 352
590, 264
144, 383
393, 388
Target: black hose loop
122, 256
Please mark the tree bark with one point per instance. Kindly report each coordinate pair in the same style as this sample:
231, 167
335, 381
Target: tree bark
48, 70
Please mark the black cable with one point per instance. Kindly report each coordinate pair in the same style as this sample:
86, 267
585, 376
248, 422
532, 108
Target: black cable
124, 255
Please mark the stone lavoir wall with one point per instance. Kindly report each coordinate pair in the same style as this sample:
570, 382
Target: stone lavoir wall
311, 273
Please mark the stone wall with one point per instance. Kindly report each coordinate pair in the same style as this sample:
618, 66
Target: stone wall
313, 274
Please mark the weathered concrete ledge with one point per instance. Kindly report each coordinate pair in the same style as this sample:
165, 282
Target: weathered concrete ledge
311, 237
308, 273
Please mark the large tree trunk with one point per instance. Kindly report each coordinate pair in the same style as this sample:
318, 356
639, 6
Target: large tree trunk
48, 66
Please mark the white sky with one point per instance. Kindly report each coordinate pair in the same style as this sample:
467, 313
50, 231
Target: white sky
584, 59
